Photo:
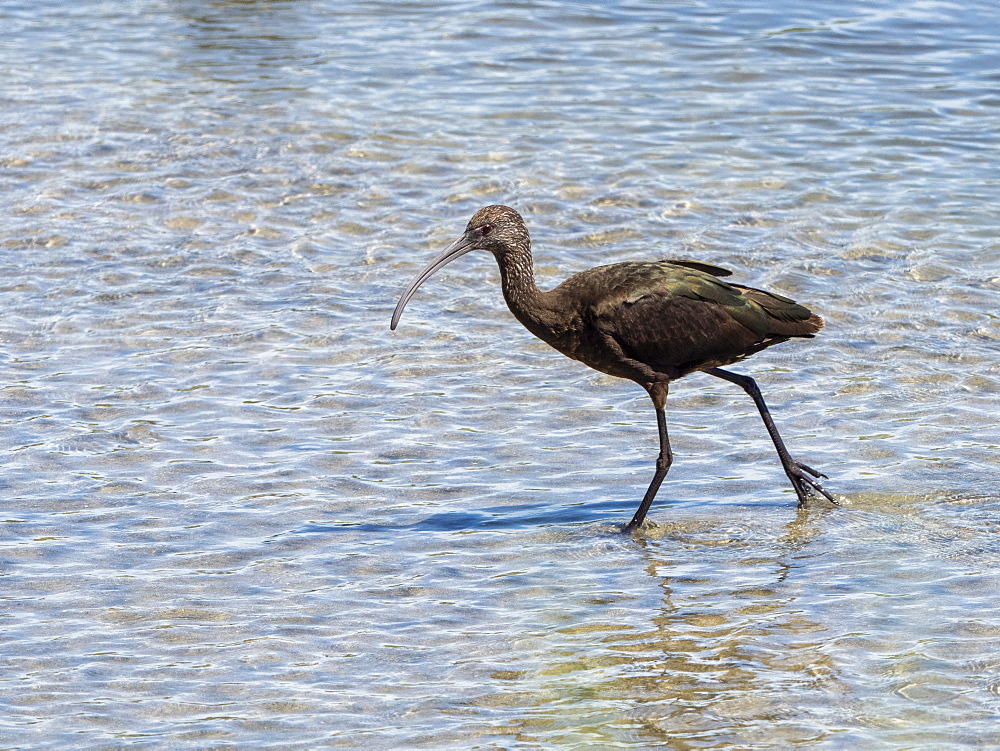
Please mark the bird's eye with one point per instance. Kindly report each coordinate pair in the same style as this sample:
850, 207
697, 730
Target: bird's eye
485, 229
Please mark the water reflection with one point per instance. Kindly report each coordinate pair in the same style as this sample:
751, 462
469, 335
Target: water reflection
724, 651
746, 645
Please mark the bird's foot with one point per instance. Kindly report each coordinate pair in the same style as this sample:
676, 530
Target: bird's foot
805, 485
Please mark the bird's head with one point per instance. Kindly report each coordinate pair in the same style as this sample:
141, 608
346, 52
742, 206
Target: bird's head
497, 229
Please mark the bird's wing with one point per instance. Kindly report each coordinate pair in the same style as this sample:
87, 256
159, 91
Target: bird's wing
679, 318
778, 307
699, 266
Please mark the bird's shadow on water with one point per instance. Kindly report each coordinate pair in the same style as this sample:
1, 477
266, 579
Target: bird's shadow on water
506, 517
605, 516
520, 520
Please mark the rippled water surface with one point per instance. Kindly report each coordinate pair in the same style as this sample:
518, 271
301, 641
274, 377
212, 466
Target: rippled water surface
238, 511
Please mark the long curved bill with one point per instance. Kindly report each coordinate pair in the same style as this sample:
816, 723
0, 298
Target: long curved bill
458, 248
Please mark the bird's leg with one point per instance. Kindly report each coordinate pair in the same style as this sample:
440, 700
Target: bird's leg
796, 471
659, 394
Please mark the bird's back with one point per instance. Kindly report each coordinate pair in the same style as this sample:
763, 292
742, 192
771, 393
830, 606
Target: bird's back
675, 318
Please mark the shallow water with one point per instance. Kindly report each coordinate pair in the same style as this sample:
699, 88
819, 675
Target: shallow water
239, 512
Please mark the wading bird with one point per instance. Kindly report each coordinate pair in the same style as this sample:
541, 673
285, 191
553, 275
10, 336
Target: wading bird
649, 322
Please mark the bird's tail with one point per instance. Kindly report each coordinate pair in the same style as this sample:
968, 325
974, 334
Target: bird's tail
786, 317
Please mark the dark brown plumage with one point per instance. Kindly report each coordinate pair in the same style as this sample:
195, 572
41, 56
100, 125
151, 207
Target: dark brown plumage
649, 322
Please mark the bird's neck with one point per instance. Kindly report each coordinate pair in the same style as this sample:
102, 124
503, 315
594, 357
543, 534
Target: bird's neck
525, 300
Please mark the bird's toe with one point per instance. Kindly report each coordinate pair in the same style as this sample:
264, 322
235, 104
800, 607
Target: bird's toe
805, 485
810, 470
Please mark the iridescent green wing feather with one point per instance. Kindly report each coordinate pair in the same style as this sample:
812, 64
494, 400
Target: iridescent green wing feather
699, 266
677, 317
